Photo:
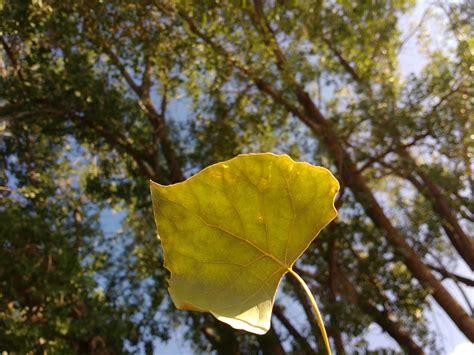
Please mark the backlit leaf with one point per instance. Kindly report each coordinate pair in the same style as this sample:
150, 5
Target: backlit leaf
233, 230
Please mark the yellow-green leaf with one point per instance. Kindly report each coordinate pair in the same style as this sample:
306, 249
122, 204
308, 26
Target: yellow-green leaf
233, 230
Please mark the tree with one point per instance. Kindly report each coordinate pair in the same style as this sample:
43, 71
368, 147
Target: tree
158, 90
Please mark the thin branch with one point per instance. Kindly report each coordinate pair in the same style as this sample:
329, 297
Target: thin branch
413, 31
300, 339
114, 138
147, 77
157, 121
372, 280
347, 66
384, 318
331, 259
464, 211
455, 278
120, 142
451, 275
126, 75
466, 298
446, 96
351, 130
392, 148
13, 59
261, 24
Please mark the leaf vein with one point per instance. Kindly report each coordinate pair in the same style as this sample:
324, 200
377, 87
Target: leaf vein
225, 231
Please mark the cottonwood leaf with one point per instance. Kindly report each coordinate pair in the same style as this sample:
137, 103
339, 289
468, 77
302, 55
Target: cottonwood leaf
232, 231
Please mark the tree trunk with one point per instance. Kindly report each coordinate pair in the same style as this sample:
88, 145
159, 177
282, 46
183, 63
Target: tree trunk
461, 242
351, 178
440, 203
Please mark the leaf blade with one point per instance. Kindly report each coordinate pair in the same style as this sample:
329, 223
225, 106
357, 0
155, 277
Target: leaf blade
232, 231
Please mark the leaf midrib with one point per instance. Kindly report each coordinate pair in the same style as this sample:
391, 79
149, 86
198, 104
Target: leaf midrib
228, 233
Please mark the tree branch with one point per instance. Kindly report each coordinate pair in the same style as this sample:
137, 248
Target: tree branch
345, 64
301, 340
331, 258
412, 32
384, 318
392, 148
455, 233
450, 275
157, 121
270, 343
113, 138
13, 59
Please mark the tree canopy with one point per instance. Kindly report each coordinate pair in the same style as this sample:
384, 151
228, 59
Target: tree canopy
97, 98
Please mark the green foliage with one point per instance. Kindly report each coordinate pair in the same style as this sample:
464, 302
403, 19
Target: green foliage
96, 98
49, 299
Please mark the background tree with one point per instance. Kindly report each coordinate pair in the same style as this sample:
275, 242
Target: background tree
97, 98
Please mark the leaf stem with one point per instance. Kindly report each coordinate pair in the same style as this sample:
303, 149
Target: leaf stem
316, 310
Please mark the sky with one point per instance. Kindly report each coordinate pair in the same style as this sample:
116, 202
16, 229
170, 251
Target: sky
451, 339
